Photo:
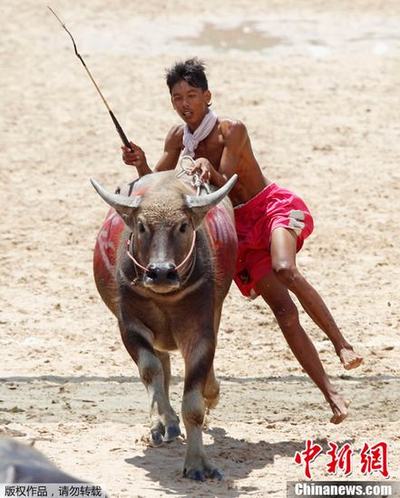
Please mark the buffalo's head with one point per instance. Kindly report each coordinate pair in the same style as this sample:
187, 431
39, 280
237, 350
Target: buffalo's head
163, 218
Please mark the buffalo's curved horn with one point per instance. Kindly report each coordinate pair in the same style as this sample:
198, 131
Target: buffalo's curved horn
117, 201
209, 200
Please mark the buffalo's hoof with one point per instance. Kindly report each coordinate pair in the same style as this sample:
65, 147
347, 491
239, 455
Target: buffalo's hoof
172, 431
156, 438
196, 475
203, 474
215, 474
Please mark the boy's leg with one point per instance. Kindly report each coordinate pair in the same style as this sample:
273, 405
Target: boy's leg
285, 311
283, 253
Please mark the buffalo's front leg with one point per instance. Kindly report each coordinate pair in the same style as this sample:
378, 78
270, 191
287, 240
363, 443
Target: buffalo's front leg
198, 356
164, 423
172, 429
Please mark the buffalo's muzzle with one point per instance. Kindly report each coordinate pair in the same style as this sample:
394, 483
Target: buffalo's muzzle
162, 275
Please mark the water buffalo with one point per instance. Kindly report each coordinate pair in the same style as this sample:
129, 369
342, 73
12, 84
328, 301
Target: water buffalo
164, 272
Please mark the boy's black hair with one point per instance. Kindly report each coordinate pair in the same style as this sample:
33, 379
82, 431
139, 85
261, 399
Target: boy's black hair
192, 71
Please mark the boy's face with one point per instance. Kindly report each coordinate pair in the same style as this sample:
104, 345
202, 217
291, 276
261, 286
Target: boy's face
191, 103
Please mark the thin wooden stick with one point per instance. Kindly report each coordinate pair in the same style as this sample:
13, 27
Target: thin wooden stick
114, 119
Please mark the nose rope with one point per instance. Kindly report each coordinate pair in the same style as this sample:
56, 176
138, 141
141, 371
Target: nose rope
189, 253
129, 244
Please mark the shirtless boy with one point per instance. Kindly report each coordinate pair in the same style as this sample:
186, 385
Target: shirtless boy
271, 222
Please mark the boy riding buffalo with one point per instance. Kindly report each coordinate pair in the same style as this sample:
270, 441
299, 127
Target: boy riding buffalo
272, 222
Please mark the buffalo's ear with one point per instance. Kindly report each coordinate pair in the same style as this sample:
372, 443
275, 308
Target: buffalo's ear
124, 205
199, 205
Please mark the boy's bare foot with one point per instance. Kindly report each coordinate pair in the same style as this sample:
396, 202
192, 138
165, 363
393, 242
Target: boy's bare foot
349, 358
339, 408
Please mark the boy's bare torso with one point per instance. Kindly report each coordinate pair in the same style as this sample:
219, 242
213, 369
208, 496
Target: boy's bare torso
228, 149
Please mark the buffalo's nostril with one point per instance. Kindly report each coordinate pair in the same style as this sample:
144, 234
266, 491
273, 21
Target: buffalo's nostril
152, 274
172, 275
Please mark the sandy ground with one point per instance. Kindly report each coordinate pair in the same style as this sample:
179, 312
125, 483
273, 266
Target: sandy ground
317, 84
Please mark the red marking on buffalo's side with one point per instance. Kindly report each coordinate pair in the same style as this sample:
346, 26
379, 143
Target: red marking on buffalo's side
222, 232
105, 251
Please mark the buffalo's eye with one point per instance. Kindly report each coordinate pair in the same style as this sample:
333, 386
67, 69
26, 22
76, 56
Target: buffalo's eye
183, 227
141, 227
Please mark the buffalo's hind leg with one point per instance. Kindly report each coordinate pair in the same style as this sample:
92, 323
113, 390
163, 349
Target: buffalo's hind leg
163, 420
198, 358
211, 390
212, 387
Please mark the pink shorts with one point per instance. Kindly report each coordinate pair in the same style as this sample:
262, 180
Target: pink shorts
255, 220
